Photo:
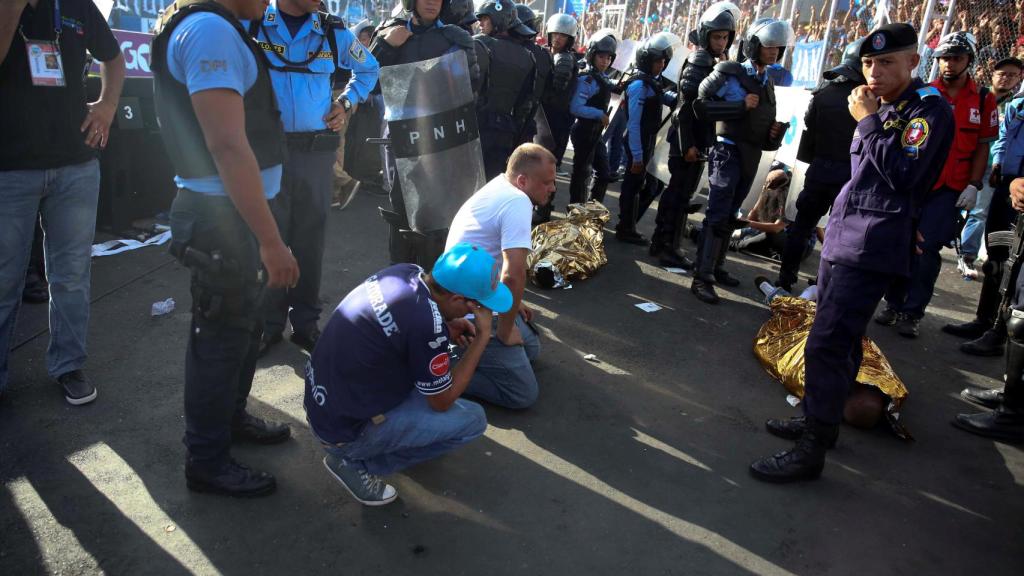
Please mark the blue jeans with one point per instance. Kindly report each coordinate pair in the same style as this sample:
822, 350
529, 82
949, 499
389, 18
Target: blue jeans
974, 229
504, 377
411, 432
66, 199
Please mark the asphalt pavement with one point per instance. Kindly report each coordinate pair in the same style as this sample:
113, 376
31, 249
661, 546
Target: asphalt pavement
635, 464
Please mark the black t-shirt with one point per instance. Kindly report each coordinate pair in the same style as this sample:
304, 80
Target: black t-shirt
41, 124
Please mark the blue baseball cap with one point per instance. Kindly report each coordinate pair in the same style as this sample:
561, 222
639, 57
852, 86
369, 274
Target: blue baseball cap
470, 271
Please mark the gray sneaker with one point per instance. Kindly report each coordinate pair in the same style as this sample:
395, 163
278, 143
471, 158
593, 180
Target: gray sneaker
365, 487
887, 317
77, 388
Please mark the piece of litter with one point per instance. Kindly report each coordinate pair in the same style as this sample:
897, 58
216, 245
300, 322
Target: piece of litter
648, 306
675, 270
793, 400
590, 357
170, 528
161, 308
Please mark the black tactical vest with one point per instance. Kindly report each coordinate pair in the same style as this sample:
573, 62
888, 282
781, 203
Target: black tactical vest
183, 138
511, 69
650, 119
753, 128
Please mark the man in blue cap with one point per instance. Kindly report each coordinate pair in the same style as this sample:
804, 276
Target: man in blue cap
381, 394
904, 130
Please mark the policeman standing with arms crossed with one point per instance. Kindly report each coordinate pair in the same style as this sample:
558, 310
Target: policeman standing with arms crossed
904, 130
418, 34
223, 133
304, 48
690, 137
505, 103
741, 98
825, 145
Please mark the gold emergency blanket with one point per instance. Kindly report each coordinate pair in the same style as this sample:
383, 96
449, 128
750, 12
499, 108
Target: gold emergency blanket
780, 348
569, 249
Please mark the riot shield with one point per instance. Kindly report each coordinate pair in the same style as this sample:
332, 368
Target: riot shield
431, 118
544, 137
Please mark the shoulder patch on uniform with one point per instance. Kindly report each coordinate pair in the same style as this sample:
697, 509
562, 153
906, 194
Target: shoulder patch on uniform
357, 52
915, 133
928, 91
271, 16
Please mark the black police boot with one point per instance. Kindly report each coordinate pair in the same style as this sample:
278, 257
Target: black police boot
630, 236
805, 461
229, 479
971, 330
248, 428
1006, 422
999, 424
986, 397
991, 343
790, 428
703, 285
306, 339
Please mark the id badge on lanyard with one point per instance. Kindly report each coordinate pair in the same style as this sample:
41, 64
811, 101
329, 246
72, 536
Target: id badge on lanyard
44, 61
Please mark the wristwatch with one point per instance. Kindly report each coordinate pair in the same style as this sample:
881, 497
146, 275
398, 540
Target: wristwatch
344, 102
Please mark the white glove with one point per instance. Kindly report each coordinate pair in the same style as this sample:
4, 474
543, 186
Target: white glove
968, 198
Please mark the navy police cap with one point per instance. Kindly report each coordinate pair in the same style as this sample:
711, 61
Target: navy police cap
889, 38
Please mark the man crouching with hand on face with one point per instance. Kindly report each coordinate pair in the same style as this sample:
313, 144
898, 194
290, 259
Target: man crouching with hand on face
380, 394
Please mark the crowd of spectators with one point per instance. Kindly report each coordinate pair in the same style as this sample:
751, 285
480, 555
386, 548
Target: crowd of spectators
998, 25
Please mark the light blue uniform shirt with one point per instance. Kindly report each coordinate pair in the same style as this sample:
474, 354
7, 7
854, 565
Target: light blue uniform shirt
586, 87
637, 92
205, 52
304, 99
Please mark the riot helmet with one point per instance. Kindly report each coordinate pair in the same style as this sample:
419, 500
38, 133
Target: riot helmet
529, 18
562, 24
459, 13
655, 48
503, 17
602, 42
850, 66
770, 33
718, 16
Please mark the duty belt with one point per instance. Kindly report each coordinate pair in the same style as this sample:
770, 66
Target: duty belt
319, 141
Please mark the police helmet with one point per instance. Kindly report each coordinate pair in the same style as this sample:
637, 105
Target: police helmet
718, 16
528, 17
410, 7
562, 24
459, 13
360, 26
850, 66
503, 17
602, 42
655, 48
770, 33
958, 43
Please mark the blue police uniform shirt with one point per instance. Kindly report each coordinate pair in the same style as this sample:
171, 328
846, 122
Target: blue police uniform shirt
779, 75
304, 99
1008, 149
896, 154
384, 340
637, 93
206, 53
586, 88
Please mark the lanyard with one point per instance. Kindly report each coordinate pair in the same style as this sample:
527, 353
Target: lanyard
56, 25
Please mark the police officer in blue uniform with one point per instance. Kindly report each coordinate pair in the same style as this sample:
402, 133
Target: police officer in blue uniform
561, 30
645, 96
222, 131
416, 34
825, 146
590, 107
305, 47
904, 131
741, 98
505, 103
690, 137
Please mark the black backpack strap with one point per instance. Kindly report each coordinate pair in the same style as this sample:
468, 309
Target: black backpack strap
328, 23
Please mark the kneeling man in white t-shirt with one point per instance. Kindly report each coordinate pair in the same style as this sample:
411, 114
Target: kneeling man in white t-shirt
497, 218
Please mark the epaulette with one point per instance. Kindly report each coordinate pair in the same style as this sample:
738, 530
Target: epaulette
928, 91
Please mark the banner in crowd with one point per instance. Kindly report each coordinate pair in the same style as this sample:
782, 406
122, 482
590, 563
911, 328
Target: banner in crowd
807, 57
136, 49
